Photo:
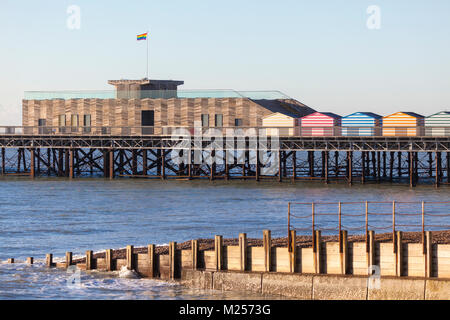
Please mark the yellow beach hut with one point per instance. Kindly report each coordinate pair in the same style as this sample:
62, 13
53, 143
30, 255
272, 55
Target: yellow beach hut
281, 124
403, 124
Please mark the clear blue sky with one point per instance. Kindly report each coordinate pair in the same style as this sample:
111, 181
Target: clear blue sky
319, 52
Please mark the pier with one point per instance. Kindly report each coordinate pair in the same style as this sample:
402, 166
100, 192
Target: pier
407, 160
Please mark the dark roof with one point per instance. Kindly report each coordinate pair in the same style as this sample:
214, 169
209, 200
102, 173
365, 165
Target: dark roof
291, 108
369, 114
413, 114
331, 114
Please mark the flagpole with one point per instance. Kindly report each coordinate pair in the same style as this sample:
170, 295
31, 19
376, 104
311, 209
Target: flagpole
147, 53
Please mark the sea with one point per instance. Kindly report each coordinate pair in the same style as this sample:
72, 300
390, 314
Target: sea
55, 215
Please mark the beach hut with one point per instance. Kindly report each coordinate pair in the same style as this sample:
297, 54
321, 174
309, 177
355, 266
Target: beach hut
438, 124
281, 124
321, 124
403, 124
362, 124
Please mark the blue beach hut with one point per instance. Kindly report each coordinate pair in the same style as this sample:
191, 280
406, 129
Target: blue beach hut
362, 124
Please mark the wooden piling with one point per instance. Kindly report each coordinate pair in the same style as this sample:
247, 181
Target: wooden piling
372, 251
243, 251
130, 258
173, 266
267, 243
399, 255
218, 250
109, 259
293, 252
68, 259
350, 167
111, 163
194, 248
10, 260
151, 260
3, 162
30, 260
344, 252
318, 253
49, 260
89, 258
32, 163
429, 255
71, 163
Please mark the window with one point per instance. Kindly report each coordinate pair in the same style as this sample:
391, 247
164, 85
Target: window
62, 120
148, 118
87, 123
41, 124
87, 120
205, 120
238, 122
219, 120
74, 120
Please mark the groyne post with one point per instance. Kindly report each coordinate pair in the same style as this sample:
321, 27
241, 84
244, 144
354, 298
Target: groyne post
429, 254
318, 252
243, 251
130, 260
399, 255
267, 243
89, 260
11, 260
343, 251
173, 265
194, 249
109, 260
293, 251
30, 260
151, 260
218, 249
371, 253
49, 260
68, 259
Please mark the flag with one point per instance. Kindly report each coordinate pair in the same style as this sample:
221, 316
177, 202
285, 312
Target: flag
142, 36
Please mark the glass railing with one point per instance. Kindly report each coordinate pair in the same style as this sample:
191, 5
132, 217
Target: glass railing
315, 132
153, 94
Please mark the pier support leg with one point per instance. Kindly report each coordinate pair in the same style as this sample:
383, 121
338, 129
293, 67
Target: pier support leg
399, 159
350, 167
3, 162
163, 164
448, 167
32, 164
280, 166
363, 167
336, 164
411, 169
391, 166
111, 163
71, 164
67, 162
438, 169
294, 166
134, 162
144, 162
325, 155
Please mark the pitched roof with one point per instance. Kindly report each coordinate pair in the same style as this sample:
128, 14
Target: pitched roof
412, 114
369, 114
291, 108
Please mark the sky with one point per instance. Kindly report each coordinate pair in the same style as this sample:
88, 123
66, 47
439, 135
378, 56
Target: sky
321, 52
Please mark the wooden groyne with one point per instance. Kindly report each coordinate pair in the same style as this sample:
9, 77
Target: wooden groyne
258, 265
